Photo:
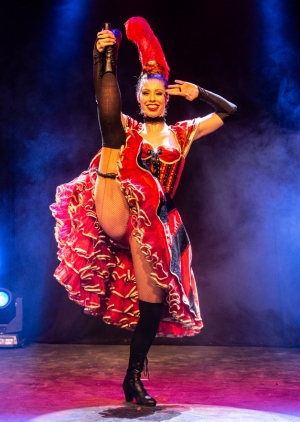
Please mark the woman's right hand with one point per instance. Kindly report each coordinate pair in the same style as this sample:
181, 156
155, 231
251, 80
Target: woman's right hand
104, 39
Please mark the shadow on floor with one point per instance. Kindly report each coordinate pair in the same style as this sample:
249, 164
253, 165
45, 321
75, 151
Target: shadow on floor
132, 411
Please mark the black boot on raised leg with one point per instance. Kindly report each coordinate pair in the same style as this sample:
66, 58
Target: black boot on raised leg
111, 54
105, 61
108, 96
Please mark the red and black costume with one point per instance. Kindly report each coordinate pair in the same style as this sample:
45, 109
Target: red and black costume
97, 271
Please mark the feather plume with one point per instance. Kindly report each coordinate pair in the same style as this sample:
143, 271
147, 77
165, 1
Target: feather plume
139, 32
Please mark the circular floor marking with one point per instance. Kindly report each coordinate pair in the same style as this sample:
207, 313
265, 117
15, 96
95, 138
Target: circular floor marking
172, 413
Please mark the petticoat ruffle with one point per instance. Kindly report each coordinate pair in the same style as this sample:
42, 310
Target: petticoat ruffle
98, 272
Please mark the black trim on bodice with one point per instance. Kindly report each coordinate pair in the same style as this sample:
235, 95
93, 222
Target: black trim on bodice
155, 161
165, 206
180, 243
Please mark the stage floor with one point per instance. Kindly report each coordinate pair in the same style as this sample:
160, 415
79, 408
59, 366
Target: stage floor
45, 383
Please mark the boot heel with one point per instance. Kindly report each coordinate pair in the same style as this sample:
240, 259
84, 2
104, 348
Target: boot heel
133, 389
128, 397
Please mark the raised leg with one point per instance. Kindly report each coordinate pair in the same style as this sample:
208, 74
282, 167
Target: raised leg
111, 206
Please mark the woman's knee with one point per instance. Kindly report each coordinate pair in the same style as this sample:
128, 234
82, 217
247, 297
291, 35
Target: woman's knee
111, 208
114, 229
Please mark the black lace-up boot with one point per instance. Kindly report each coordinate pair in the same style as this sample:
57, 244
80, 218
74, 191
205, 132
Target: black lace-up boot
133, 386
111, 54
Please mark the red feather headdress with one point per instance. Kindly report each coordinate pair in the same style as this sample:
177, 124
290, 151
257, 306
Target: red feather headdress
151, 54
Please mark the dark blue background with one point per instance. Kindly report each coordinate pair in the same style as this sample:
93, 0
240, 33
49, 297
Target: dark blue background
239, 194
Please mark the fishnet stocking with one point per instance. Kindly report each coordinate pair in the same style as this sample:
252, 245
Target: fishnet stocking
111, 206
148, 290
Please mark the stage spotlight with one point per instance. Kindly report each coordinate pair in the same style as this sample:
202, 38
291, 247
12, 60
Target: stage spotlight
11, 319
5, 298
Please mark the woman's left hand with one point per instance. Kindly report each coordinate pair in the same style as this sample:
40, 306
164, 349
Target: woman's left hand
183, 89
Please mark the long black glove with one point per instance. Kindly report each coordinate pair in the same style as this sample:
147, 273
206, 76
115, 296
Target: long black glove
223, 108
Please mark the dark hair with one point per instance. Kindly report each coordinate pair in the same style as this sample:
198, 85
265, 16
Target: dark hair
146, 76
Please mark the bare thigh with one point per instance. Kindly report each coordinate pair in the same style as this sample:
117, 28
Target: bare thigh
148, 290
111, 206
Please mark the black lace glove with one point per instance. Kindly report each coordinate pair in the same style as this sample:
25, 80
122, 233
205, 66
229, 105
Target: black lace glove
223, 108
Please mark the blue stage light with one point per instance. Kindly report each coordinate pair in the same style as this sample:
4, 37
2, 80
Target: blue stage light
65, 31
11, 319
280, 63
5, 298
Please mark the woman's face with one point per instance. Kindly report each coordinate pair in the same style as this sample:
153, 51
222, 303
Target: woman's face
152, 98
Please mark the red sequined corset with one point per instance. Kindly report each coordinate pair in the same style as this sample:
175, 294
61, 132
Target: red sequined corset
164, 163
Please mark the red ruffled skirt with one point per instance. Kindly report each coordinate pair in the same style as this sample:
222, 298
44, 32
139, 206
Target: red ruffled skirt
98, 272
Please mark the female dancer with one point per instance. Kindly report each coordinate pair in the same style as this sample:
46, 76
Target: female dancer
120, 236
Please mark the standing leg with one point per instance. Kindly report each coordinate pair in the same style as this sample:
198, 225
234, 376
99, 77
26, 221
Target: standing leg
151, 301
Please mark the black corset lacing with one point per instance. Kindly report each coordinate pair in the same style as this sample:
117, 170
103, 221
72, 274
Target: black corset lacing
155, 160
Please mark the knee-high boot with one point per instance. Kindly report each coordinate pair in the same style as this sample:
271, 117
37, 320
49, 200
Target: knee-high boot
150, 314
108, 95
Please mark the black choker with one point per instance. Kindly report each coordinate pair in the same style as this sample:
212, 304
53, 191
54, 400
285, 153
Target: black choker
154, 120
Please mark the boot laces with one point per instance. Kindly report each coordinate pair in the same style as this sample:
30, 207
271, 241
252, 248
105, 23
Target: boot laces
145, 368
